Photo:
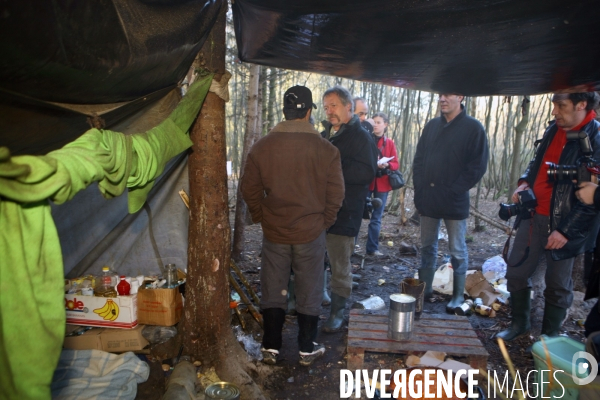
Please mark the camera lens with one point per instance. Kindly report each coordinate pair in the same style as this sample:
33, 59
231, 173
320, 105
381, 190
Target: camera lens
558, 172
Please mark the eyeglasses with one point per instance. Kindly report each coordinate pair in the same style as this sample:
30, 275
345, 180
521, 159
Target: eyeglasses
361, 114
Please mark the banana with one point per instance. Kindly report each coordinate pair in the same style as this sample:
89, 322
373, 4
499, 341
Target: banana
114, 311
103, 310
109, 312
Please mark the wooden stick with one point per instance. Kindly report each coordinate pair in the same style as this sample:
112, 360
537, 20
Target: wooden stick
477, 213
245, 282
246, 300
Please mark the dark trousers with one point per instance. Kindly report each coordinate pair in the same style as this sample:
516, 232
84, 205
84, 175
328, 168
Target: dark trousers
534, 233
306, 260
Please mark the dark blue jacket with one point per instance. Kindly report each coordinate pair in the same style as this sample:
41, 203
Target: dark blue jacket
359, 156
451, 158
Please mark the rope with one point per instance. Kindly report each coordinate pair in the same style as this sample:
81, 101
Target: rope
220, 88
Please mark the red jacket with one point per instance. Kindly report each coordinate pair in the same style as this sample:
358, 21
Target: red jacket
388, 149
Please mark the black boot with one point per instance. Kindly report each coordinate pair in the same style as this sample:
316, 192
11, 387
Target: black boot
520, 304
273, 319
553, 319
307, 331
336, 316
426, 275
458, 291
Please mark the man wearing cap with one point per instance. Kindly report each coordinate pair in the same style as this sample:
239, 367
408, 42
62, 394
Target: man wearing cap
358, 154
561, 227
451, 157
293, 186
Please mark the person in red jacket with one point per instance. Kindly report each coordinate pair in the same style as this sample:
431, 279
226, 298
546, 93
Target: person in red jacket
380, 187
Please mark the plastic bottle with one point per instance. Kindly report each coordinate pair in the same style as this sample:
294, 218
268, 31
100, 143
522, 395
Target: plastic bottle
123, 287
104, 286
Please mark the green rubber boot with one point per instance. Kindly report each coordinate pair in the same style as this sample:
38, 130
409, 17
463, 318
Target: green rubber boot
458, 290
426, 275
326, 299
336, 316
291, 306
520, 304
553, 319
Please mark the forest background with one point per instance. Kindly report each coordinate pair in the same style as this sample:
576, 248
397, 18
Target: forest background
512, 123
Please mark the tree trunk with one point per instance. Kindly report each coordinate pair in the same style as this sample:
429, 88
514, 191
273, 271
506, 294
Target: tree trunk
207, 334
252, 132
516, 161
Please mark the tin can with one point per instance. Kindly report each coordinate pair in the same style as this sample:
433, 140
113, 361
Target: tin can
222, 391
401, 316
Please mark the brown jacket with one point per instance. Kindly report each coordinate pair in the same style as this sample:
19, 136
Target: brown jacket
293, 183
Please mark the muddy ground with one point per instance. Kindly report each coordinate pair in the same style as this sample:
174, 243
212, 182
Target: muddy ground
289, 380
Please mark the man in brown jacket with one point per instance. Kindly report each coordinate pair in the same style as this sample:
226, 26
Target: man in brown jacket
293, 185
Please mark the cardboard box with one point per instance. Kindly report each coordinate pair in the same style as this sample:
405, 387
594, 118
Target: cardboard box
478, 286
108, 339
161, 307
117, 312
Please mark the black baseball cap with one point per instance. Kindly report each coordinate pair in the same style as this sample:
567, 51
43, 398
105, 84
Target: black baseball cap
298, 98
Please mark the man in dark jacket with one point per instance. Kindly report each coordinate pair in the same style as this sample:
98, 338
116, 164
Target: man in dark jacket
561, 226
359, 162
451, 157
294, 187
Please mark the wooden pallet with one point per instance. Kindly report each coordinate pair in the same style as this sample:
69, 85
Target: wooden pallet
451, 334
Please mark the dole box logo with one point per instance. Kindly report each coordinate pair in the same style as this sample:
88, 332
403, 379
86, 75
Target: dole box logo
73, 305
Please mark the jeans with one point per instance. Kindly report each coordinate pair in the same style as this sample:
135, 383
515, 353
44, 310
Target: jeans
457, 230
375, 224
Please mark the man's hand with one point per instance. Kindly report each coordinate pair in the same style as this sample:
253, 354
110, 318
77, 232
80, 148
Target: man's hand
522, 186
556, 241
586, 191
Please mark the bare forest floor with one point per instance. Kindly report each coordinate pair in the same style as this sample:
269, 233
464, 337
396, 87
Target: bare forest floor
289, 380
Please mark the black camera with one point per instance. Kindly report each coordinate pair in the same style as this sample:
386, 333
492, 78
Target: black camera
526, 205
381, 172
370, 205
582, 171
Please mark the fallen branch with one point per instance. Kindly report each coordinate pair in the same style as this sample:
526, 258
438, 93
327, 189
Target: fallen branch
480, 215
244, 281
246, 300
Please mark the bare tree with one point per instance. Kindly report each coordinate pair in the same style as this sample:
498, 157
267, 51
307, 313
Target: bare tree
252, 132
207, 334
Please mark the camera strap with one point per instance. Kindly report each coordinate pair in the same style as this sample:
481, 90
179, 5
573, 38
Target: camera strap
507, 244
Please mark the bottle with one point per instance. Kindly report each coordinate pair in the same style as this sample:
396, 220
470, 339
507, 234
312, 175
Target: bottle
104, 286
123, 287
485, 311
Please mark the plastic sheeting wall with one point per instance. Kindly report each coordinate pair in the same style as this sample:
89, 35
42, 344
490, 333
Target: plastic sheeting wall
479, 47
95, 232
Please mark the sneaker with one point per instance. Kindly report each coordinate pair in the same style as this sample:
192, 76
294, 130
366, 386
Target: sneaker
307, 359
376, 253
269, 356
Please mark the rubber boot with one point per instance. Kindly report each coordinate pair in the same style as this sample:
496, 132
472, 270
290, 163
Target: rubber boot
336, 316
273, 319
307, 332
326, 299
291, 307
458, 290
520, 304
426, 275
553, 319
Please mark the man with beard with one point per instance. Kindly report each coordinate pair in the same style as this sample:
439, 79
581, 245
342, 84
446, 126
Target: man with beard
359, 162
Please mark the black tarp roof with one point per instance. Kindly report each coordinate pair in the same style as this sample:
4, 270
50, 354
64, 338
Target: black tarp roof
481, 47
134, 51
